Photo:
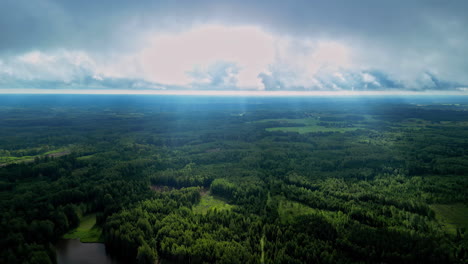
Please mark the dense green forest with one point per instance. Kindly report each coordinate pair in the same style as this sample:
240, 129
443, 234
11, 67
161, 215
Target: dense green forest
235, 180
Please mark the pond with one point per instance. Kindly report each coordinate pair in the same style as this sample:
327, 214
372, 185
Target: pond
72, 251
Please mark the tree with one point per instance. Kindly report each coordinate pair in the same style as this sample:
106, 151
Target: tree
40, 257
146, 255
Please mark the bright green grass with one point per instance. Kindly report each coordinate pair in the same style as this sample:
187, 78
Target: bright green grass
56, 151
16, 159
87, 232
305, 121
87, 157
288, 210
209, 202
311, 129
311, 125
10, 159
452, 216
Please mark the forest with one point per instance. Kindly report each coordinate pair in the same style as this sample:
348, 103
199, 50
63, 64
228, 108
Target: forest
193, 179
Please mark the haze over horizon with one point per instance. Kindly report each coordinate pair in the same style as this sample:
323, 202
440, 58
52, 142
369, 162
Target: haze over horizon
234, 46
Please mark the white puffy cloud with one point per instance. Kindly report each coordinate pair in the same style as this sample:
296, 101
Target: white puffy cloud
220, 57
208, 56
299, 62
65, 66
168, 58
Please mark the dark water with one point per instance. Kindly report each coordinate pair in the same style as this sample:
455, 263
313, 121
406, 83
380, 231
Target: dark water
72, 251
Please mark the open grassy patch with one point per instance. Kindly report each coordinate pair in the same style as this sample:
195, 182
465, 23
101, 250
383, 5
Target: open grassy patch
55, 151
87, 231
6, 160
452, 216
87, 157
311, 129
310, 125
10, 160
288, 210
209, 202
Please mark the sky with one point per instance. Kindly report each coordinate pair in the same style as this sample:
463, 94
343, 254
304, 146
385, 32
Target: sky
243, 45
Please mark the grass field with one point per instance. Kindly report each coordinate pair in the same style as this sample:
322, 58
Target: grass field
311, 129
53, 153
311, 125
9, 160
452, 216
87, 157
209, 202
288, 210
87, 232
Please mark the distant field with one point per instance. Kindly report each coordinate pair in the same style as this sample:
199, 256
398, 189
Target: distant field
87, 232
209, 202
9, 160
311, 125
288, 210
310, 129
452, 216
53, 153
87, 157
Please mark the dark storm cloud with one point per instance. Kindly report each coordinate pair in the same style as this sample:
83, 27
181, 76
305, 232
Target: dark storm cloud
93, 25
62, 23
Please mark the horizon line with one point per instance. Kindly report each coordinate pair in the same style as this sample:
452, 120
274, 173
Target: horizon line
229, 92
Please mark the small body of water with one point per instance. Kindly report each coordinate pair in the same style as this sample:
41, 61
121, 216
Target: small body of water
72, 251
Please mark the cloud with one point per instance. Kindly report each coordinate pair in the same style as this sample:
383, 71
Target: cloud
220, 75
169, 57
207, 44
207, 57
59, 66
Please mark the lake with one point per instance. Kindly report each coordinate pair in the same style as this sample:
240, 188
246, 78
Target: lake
72, 251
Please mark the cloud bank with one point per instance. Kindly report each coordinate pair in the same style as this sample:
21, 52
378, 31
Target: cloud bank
234, 45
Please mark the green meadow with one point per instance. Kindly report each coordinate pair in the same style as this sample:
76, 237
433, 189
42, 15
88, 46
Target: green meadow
289, 210
452, 216
5, 160
209, 202
307, 125
87, 231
